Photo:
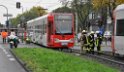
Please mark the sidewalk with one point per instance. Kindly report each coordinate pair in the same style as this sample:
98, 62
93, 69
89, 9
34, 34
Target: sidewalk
104, 46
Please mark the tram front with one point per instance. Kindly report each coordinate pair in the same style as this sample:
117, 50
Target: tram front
64, 30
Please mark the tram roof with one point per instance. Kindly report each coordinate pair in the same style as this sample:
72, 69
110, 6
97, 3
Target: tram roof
120, 7
38, 18
44, 16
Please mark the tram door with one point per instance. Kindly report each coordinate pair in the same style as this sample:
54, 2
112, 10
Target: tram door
50, 32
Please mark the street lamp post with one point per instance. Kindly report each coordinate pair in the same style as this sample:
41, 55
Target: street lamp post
7, 13
18, 6
22, 25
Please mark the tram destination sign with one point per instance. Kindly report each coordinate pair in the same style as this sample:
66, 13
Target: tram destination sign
67, 17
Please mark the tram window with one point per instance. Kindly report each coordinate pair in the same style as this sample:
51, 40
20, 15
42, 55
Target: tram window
64, 26
120, 29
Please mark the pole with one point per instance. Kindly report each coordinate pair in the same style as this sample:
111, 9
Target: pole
6, 11
76, 26
22, 24
76, 23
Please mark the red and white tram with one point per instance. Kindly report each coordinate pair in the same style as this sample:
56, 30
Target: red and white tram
118, 35
54, 30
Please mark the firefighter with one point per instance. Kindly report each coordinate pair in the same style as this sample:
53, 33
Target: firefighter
28, 41
98, 41
84, 41
91, 42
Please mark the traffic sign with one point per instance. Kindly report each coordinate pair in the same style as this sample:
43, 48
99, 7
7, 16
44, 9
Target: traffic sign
9, 15
18, 4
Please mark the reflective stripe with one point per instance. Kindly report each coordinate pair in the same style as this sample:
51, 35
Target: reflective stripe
96, 42
87, 40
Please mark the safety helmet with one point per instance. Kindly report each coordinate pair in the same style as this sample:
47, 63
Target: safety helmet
84, 31
97, 32
92, 32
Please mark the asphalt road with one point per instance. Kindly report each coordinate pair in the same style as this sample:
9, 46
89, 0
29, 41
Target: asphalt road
7, 61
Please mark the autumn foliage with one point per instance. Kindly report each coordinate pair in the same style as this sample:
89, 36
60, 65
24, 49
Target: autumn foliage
101, 3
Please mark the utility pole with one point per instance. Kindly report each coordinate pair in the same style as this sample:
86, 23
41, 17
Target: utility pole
23, 30
76, 22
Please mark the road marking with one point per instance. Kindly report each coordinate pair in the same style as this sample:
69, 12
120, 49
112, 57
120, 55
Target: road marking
12, 59
4, 50
8, 55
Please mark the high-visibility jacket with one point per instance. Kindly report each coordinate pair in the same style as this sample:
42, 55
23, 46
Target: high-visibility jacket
84, 38
4, 34
98, 40
91, 40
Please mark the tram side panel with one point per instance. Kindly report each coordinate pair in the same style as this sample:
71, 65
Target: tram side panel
37, 30
119, 31
42, 39
44, 35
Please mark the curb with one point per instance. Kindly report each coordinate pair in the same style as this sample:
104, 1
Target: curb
20, 62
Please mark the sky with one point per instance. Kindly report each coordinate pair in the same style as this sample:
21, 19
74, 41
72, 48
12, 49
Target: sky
27, 5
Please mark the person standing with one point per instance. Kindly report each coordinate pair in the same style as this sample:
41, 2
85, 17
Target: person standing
12, 32
98, 41
91, 42
84, 41
13, 41
4, 35
16, 42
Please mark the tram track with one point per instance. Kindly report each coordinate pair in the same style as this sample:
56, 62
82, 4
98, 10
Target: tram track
104, 59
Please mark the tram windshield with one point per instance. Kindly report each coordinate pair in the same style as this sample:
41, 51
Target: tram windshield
63, 24
120, 27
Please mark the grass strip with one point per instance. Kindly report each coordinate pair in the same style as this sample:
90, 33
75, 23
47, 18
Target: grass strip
46, 60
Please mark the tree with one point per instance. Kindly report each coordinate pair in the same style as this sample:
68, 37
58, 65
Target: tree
63, 9
111, 4
119, 1
102, 5
28, 15
83, 10
80, 8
